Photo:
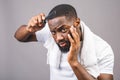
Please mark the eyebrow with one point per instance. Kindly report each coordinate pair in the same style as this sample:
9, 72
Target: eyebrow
60, 27
66, 26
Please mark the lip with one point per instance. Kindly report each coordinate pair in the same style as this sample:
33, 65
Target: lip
62, 44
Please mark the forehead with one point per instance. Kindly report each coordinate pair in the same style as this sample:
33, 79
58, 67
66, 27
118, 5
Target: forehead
58, 21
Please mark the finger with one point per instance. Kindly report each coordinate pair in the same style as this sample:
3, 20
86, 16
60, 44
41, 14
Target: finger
74, 34
72, 43
77, 36
41, 17
70, 39
33, 23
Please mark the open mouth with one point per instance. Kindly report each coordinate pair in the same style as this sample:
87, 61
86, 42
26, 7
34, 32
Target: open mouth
62, 44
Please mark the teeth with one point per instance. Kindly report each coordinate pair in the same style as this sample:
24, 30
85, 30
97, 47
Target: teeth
62, 44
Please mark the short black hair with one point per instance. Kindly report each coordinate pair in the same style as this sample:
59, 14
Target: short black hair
62, 10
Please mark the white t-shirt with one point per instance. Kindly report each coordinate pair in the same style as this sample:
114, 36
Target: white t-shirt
105, 58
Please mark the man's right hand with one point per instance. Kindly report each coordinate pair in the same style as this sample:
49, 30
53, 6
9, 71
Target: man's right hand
26, 33
36, 23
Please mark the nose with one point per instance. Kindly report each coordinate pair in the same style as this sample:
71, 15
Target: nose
59, 37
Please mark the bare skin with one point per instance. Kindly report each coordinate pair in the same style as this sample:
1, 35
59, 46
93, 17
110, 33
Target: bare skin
78, 69
60, 28
26, 33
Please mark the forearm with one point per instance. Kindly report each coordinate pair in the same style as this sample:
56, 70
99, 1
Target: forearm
80, 71
22, 34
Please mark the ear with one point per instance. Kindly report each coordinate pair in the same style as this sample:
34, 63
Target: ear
77, 22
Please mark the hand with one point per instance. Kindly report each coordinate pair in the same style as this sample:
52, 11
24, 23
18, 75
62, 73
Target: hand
74, 39
36, 23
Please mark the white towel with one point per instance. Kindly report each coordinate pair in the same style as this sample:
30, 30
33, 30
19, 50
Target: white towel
88, 56
54, 54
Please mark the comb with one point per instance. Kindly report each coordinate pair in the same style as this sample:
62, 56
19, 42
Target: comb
51, 15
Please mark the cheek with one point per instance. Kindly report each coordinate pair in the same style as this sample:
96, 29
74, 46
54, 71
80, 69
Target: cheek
66, 35
70, 34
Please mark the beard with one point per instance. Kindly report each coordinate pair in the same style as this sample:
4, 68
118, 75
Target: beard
65, 48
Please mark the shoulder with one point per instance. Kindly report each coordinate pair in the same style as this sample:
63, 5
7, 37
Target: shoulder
102, 47
105, 56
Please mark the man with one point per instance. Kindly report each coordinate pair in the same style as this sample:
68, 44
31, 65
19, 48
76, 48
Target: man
74, 52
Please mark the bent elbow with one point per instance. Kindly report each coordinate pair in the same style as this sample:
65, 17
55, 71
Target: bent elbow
18, 38
15, 36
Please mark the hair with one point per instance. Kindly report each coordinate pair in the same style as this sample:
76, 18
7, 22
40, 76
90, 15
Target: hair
62, 10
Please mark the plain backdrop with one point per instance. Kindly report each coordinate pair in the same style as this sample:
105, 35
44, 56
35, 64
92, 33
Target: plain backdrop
27, 61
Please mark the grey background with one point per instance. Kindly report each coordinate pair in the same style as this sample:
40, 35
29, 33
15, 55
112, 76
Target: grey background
27, 61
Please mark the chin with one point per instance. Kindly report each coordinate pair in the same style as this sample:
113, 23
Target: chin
64, 49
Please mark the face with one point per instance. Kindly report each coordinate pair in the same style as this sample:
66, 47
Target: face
60, 28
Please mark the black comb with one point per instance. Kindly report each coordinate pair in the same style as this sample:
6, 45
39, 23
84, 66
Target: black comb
50, 16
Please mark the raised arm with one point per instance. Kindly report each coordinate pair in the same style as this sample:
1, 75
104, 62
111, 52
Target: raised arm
26, 33
80, 72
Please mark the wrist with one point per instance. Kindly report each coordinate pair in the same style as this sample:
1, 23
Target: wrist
72, 58
74, 63
29, 30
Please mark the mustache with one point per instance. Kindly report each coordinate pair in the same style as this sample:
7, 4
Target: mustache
65, 48
60, 41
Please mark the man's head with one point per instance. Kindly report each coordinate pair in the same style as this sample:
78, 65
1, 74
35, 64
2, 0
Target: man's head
60, 20
62, 10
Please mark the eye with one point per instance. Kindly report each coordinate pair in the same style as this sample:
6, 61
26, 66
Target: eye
53, 32
63, 30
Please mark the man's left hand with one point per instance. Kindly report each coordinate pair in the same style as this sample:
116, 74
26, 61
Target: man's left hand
74, 39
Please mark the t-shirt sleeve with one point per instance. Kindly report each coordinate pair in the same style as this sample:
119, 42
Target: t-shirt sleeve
43, 34
106, 61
